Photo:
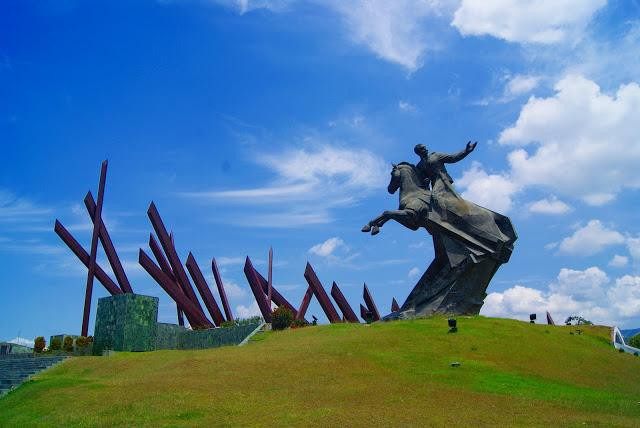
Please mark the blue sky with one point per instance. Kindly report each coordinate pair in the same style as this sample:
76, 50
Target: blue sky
274, 123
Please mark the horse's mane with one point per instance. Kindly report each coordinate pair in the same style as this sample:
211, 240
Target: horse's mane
407, 163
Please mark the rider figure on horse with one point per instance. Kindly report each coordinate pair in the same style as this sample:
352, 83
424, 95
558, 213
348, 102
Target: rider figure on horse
431, 166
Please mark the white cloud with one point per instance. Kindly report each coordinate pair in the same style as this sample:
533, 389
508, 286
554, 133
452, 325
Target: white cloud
327, 247
244, 6
549, 206
413, 272
625, 295
580, 284
633, 245
565, 142
232, 289
619, 261
521, 84
328, 164
30, 246
406, 106
283, 220
131, 267
493, 191
248, 311
586, 142
524, 21
308, 174
323, 176
227, 261
258, 194
14, 209
590, 239
395, 31
588, 293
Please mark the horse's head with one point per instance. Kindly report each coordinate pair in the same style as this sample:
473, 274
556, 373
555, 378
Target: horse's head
403, 176
395, 182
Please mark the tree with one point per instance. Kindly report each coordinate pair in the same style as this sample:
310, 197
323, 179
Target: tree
67, 344
39, 343
55, 344
635, 341
578, 320
281, 318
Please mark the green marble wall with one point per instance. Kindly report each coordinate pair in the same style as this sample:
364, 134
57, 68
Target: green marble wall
126, 322
214, 337
167, 335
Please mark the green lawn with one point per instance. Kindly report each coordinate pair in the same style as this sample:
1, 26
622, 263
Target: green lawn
385, 374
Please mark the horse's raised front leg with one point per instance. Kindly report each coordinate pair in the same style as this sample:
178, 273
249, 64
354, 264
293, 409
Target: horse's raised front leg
373, 225
404, 217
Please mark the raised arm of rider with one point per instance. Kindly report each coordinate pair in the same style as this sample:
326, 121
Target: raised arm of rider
455, 157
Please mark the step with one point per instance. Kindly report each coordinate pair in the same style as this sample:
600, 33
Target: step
17, 375
11, 383
15, 371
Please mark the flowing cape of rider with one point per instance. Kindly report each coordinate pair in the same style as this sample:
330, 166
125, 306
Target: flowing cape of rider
470, 243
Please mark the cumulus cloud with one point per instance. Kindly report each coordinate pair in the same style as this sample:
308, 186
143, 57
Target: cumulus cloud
493, 191
588, 293
326, 248
580, 284
633, 245
590, 239
580, 143
625, 295
523, 21
252, 310
549, 206
573, 131
619, 261
233, 290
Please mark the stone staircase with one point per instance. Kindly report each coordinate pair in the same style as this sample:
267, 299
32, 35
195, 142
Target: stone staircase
16, 369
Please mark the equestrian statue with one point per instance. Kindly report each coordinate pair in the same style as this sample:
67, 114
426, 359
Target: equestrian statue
470, 242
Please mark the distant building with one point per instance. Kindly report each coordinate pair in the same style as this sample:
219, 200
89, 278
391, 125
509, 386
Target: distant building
7, 348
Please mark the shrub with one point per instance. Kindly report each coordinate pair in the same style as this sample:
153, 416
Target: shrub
228, 324
252, 320
81, 341
67, 344
55, 344
281, 318
635, 341
578, 320
297, 323
39, 343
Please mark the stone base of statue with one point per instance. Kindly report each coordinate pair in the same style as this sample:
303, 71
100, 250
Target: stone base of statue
456, 280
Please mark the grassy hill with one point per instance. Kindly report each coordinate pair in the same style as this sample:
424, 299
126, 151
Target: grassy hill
385, 374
